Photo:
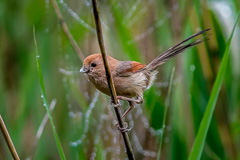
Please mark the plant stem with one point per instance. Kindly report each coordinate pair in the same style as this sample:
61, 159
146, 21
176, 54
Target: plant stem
8, 139
200, 139
127, 143
66, 30
165, 114
46, 104
40, 129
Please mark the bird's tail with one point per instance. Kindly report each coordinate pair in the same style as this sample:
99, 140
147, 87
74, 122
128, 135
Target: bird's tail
177, 49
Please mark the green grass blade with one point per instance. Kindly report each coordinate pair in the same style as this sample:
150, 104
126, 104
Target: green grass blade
130, 49
165, 114
46, 104
203, 129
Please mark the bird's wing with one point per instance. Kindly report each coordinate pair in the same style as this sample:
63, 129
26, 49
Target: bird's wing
127, 68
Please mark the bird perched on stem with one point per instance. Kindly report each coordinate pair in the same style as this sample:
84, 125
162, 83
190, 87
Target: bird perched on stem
131, 78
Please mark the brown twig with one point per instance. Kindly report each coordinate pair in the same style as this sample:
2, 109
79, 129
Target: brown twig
66, 30
8, 139
127, 143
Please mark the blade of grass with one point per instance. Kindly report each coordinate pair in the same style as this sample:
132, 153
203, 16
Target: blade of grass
40, 129
46, 104
203, 129
165, 115
66, 30
177, 138
200, 19
123, 33
199, 93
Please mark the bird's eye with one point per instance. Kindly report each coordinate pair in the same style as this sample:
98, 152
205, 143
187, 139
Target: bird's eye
93, 64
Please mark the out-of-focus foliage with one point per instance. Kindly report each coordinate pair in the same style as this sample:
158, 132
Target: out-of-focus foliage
199, 142
137, 30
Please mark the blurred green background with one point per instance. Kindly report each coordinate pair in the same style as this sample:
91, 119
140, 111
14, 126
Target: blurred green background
137, 30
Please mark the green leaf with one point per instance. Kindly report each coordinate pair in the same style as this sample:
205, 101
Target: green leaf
165, 114
46, 104
202, 132
124, 35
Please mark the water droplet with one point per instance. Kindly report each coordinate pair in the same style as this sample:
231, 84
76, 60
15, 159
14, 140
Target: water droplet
159, 131
175, 6
76, 17
93, 155
37, 56
66, 56
146, 154
169, 128
64, 80
72, 115
41, 96
74, 144
79, 114
88, 4
192, 68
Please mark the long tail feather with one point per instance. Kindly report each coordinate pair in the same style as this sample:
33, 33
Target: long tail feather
177, 49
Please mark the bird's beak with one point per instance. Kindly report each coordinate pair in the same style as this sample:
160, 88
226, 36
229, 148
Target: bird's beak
84, 70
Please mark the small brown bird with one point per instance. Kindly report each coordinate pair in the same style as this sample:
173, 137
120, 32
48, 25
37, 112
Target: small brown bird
131, 78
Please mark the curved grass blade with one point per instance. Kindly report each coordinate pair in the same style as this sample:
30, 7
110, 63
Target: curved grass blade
203, 129
165, 114
46, 104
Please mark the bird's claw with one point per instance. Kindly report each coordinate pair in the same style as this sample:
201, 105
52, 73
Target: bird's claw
124, 128
115, 105
119, 97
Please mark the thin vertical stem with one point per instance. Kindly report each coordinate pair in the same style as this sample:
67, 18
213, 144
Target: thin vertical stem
8, 139
41, 128
127, 143
167, 102
66, 30
44, 97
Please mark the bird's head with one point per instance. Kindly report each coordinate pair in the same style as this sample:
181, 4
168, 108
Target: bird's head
92, 64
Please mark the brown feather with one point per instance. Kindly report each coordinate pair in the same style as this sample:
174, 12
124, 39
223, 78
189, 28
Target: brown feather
173, 51
127, 68
136, 66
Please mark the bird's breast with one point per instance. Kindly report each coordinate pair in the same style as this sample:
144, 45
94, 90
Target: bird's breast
100, 82
128, 86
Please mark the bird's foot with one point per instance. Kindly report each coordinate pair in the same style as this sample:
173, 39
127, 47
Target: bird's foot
115, 105
124, 128
139, 99
120, 97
